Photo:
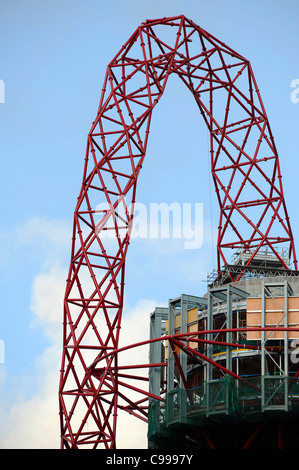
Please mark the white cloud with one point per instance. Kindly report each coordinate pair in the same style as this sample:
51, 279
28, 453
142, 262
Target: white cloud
47, 300
53, 232
33, 423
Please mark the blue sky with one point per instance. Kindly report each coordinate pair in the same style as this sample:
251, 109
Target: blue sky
53, 57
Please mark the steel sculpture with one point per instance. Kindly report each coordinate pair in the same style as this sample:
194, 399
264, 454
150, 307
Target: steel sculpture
246, 173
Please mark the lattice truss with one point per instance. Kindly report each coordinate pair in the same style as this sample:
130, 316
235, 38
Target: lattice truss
246, 173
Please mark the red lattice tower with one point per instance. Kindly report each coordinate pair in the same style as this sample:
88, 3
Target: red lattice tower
246, 173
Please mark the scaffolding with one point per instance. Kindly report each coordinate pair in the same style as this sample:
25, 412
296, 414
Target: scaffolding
231, 367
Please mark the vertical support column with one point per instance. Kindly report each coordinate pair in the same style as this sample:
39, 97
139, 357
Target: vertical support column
229, 324
209, 369
177, 322
238, 340
286, 324
263, 354
286, 344
155, 356
184, 328
263, 335
170, 362
155, 352
183, 359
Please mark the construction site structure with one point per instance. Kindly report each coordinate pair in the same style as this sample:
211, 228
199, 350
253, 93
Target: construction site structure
95, 385
231, 379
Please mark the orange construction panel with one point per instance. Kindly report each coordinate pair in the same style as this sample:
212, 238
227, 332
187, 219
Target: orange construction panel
274, 316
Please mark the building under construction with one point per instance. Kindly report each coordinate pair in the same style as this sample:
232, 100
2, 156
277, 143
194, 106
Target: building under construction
234, 383
223, 368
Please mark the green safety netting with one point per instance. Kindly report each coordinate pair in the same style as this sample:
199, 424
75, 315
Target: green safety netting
225, 400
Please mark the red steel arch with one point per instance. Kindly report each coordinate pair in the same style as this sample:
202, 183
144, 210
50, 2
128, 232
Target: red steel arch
246, 173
